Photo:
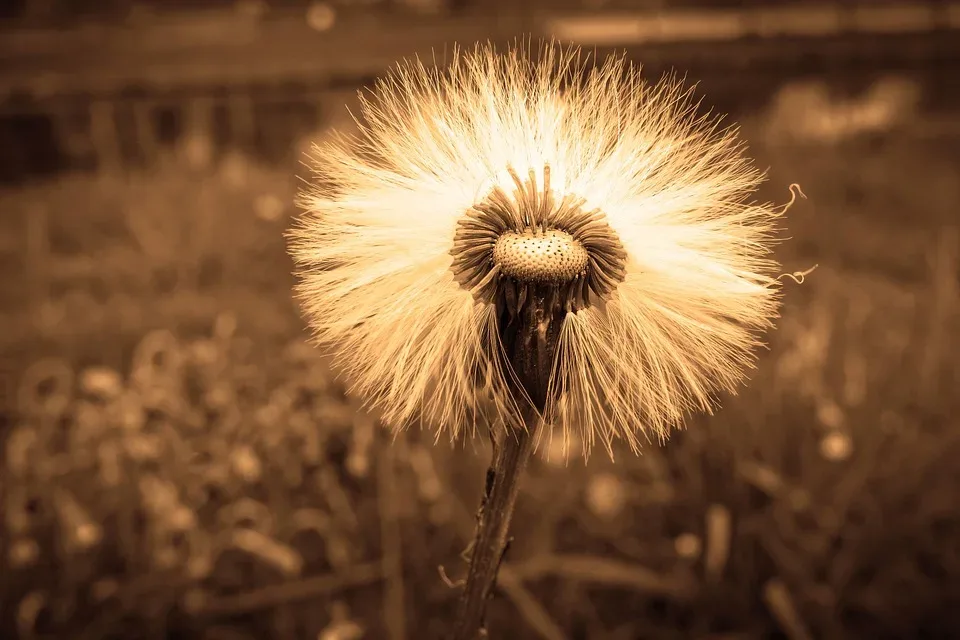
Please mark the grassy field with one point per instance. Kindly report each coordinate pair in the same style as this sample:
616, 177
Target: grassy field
183, 465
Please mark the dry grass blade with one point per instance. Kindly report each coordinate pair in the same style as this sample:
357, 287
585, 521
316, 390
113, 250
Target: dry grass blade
306, 589
528, 606
392, 561
604, 571
778, 599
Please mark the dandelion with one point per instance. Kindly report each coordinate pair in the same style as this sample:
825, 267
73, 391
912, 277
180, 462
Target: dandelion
526, 239
509, 178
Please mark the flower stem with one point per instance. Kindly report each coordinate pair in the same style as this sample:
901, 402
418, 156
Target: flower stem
510, 457
529, 334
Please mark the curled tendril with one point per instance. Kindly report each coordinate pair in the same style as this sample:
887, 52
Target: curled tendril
798, 276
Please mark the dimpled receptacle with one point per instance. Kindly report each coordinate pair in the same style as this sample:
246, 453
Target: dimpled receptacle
536, 241
547, 257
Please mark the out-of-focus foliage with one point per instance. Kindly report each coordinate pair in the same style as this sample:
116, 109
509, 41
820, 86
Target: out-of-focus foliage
181, 460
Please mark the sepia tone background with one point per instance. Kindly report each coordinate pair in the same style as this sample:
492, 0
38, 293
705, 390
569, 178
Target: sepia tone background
178, 463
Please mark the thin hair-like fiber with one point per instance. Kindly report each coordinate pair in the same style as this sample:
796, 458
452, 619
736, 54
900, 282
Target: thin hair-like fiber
373, 249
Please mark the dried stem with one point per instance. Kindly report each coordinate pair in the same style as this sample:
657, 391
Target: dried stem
529, 336
510, 458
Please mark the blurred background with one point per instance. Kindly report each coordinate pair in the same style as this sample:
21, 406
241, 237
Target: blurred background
177, 463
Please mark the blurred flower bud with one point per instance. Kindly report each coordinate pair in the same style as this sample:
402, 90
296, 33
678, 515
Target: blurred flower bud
688, 546
836, 446
342, 630
719, 534
358, 460
280, 556
341, 626
23, 552
181, 518
246, 464
205, 353
606, 495
321, 16
102, 383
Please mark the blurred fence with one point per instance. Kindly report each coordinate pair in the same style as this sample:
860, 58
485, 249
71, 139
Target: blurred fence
106, 96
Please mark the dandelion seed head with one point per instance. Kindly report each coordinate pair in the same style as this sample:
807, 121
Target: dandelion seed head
532, 177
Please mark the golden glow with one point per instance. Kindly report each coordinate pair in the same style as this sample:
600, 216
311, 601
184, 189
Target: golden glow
374, 249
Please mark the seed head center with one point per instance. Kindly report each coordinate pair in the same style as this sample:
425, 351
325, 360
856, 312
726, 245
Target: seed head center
540, 257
